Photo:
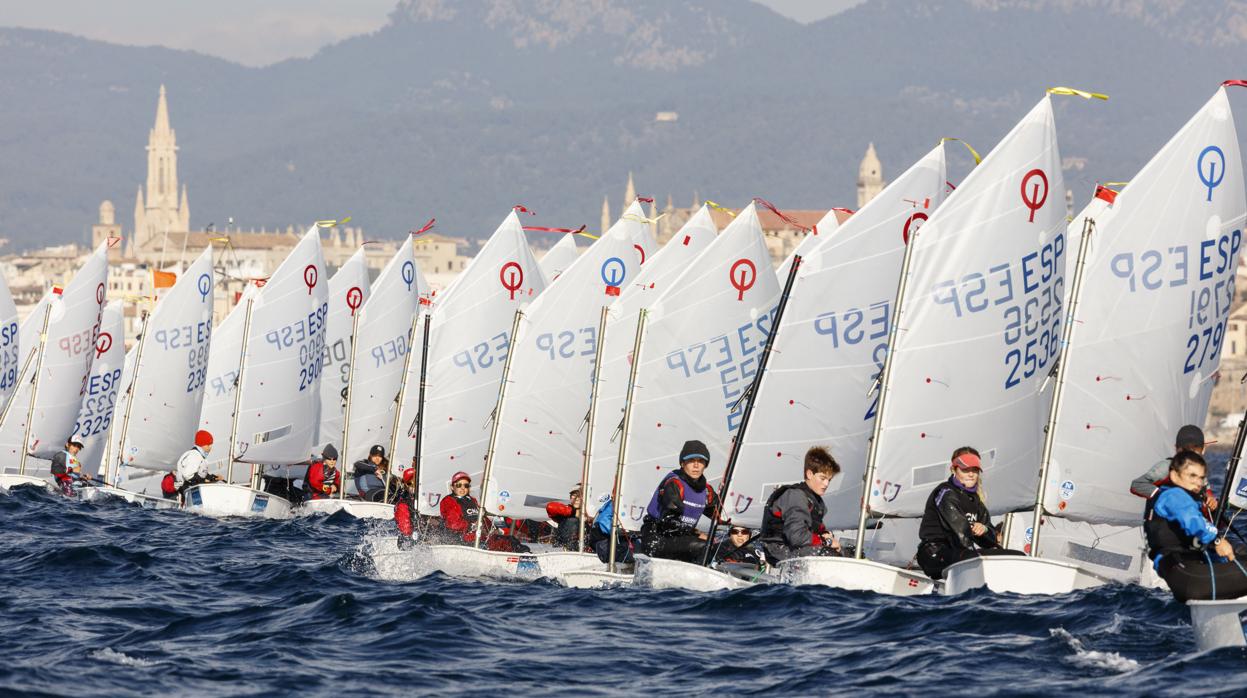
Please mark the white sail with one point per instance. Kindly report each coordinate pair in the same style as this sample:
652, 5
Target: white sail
703, 341
97, 412
470, 335
979, 328
61, 378
279, 408
540, 439
10, 346
1236, 481
1147, 341
559, 257
821, 231
383, 340
830, 350
349, 289
656, 277
216, 412
643, 240
163, 393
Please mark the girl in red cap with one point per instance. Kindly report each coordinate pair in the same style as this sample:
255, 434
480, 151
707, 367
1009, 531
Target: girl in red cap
192, 467
460, 511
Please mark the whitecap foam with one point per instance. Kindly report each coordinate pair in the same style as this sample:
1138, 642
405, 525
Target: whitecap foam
1093, 659
109, 654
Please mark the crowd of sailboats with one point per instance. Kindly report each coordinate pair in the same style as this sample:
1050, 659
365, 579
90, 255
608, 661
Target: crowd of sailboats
1066, 351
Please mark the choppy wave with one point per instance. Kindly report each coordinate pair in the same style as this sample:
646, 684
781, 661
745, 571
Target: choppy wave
114, 600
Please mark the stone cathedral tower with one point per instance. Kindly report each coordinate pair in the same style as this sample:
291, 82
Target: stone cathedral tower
869, 177
161, 211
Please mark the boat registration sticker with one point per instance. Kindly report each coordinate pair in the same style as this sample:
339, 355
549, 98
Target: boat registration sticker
1067, 490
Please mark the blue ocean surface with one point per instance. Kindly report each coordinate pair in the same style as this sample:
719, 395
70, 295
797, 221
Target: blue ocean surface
112, 600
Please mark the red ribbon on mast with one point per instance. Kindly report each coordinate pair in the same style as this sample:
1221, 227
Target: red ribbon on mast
783, 216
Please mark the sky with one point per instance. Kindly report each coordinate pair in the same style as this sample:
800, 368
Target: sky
252, 32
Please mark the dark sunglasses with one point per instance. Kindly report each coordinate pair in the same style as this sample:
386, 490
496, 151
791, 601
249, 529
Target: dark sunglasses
739, 531
462, 484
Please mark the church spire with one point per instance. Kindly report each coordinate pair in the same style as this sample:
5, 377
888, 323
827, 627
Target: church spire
629, 193
606, 214
162, 210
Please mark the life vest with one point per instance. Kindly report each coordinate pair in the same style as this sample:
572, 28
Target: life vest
1165, 536
168, 485
469, 507
773, 517
694, 501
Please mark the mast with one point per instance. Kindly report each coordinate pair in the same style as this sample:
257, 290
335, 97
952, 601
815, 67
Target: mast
872, 452
493, 431
125, 419
233, 425
1058, 370
350, 393
419, 445
34, 391
591, 423
623, 432
402, 391
752, 393
1231, 465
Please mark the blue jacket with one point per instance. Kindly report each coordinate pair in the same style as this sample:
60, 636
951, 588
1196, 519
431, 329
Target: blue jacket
1176, 505
603, 519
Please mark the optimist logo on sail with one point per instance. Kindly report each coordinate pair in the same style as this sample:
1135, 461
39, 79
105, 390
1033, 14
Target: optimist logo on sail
1214, 175
205, 286
1031, 184
512, 277
614, 271
745, 280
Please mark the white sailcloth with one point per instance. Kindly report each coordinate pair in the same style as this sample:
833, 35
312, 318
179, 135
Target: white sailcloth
979, 329
349, 289
656, 277
164, 392
280, 403
73, 326
10, 345
703, 341
540, 439
97, 412
216, 412
830, 350
383, 340
470, 335
559, 257
821, 231
1148, 338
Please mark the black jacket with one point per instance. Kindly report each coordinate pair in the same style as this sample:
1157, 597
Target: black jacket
949, 512
792, 523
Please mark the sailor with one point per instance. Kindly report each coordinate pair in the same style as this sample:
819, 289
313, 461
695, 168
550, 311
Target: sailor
1186, 549
956, 525
792, 520
192, 466
460, 511
739, 549
67, 470
566, 518
405, 510
599, 536
683, 496
323, 479
1189, 438
369, 473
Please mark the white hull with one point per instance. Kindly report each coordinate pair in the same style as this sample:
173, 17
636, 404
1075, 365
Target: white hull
465, 561
657, 573
855, 575
555, 564
1218, 624
354, 507
218, 499
594, 579
10, 480
105, 492
1017, 574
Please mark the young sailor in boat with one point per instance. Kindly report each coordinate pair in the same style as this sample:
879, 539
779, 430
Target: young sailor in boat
192, 466
1190, 438
1186, 549
459, 512
405, 510
323, 478
956, 525
66, 469
368, 474
599, 536
683, 496
792, 520
566, 518
738, 548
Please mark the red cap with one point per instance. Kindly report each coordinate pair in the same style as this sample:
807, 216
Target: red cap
203, 438
460, 476
968, 461
409, 475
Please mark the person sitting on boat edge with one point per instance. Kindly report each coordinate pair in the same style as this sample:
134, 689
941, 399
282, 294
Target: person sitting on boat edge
566, 518
1189, 438
792, 520
738, 548
1188, 551
683, 496
599, 536
460, 511
323, 479
368, 474
67, 470
406, 512
192, 466
955, 524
